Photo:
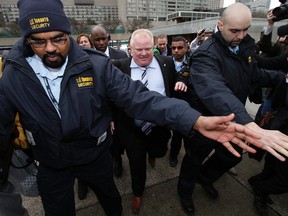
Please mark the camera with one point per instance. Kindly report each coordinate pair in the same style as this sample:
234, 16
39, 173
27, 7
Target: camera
201, 32
280, 12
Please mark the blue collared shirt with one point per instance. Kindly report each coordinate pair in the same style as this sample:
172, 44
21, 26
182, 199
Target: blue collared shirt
155, 78
179, 65
235, 50
54, 78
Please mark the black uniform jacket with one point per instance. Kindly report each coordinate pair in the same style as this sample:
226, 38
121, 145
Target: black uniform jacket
90, 83
221, 80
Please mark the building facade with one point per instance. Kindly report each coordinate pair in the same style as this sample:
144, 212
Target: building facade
80, 10
124, 10
257, 5
156, 10
215, 4
186, 16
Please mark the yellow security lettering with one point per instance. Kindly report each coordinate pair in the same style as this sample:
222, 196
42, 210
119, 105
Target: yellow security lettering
84, 81
39, 26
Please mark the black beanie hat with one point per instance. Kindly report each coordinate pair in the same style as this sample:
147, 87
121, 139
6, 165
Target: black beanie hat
282, 30
37, 16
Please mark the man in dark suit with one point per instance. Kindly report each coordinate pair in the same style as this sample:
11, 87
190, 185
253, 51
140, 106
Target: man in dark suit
160, 73
100, 39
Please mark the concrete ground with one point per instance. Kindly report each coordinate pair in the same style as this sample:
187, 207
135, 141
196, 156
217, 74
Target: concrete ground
161, 199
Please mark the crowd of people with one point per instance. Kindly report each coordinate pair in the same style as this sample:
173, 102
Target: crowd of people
84, 103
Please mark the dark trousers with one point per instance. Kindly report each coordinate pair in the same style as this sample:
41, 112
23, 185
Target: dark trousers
192, 169
274, 177
137, 146
117, 148
56, 187
175, 144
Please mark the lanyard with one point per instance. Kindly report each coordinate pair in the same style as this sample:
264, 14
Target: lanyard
54, 101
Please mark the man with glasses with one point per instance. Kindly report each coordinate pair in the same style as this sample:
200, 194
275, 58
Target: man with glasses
63, 94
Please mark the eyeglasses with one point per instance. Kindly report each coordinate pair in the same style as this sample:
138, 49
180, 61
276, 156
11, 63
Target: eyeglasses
41, 43
100, 39
178, 47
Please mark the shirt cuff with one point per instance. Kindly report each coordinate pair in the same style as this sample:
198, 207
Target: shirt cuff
267, 30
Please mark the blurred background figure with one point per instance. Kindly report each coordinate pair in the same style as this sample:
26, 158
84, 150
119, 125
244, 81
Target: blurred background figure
84, 40
162, 45
197, 41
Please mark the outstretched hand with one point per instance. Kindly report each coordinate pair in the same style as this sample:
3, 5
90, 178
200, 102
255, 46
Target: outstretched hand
275, 142
223, 130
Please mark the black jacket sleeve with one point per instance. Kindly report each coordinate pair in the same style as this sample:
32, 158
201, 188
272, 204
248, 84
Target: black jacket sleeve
273, 63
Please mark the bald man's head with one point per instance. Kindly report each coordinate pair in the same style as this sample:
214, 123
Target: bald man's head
99, 37
234, 23
236, 11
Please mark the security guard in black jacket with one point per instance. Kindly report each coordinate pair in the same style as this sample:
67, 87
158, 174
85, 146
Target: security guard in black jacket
63, 95
222, 71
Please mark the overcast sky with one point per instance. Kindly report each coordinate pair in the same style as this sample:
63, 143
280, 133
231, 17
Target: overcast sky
274, 3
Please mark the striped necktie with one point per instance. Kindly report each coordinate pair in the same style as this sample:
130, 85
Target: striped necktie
144, 77
146, 127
